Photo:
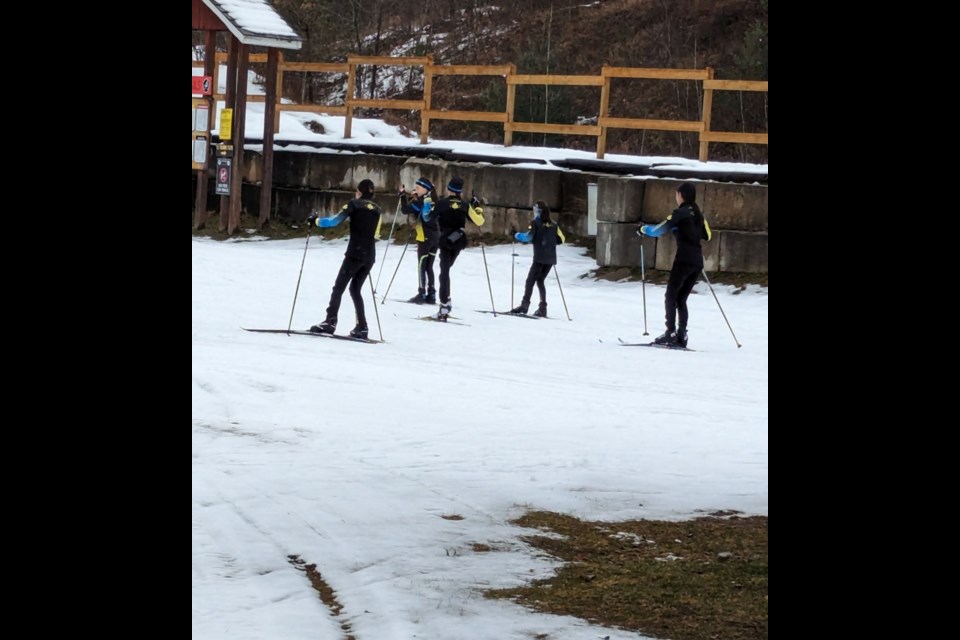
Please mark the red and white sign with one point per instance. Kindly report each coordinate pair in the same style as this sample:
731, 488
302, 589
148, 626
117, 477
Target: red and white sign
203, 85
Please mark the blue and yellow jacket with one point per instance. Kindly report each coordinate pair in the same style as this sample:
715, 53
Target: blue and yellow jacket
428, 230
364, 228
452, 214
545, 236
689, 227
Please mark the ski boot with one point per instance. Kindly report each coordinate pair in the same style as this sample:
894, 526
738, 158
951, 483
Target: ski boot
360, 331
668, 339
327, 326
682, 338
445, 309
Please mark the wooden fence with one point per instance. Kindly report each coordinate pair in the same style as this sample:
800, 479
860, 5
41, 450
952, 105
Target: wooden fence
509, 73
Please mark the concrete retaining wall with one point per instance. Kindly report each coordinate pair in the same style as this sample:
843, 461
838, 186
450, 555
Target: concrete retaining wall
737, 215
326, 180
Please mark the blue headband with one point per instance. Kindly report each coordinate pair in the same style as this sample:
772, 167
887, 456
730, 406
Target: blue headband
423, 182
450, 187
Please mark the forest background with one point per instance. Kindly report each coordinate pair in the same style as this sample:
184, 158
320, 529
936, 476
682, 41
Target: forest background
560, 37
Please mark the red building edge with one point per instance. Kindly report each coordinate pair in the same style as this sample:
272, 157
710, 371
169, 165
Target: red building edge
204, 19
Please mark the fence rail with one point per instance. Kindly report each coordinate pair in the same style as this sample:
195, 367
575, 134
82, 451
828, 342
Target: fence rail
512, 80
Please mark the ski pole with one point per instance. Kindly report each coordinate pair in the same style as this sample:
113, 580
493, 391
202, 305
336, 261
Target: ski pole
386, 248
513, 262
643, 286
375, 310
704, 272
493, 307
290, 324
561, 292
395, 271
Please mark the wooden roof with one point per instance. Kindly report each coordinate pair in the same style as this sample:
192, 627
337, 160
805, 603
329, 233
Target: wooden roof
254, 22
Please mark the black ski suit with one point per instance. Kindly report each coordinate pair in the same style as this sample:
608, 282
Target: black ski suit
689, 228
545, 236
359, 257
428, 238
452, 215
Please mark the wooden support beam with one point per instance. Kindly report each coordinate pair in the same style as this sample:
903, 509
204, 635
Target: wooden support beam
736, 85
511, 105
469, 70
279, 97
239, 131
584, 81
539, 127
731, 136
399, 61
251, 57
388, 104
233, 46
656, 125
478, 116
203, 176
604, 110
266, 185
425, 108
337, 110
316, 67
655, 74
348, 120
706, 116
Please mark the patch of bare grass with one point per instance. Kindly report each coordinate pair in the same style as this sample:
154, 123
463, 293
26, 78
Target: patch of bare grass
699, 579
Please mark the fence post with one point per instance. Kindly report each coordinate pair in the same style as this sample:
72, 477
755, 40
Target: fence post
511, 100
705, 118
427, 89
276, 113
351, 74
603, 113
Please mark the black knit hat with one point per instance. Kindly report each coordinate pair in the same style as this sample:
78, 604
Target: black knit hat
456, 185
426, 184
688, 192
366, 187
544, 210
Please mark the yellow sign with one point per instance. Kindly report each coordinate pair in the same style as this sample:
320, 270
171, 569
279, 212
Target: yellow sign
226, 122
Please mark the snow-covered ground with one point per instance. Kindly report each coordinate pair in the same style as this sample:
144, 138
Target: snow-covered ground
349, 455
